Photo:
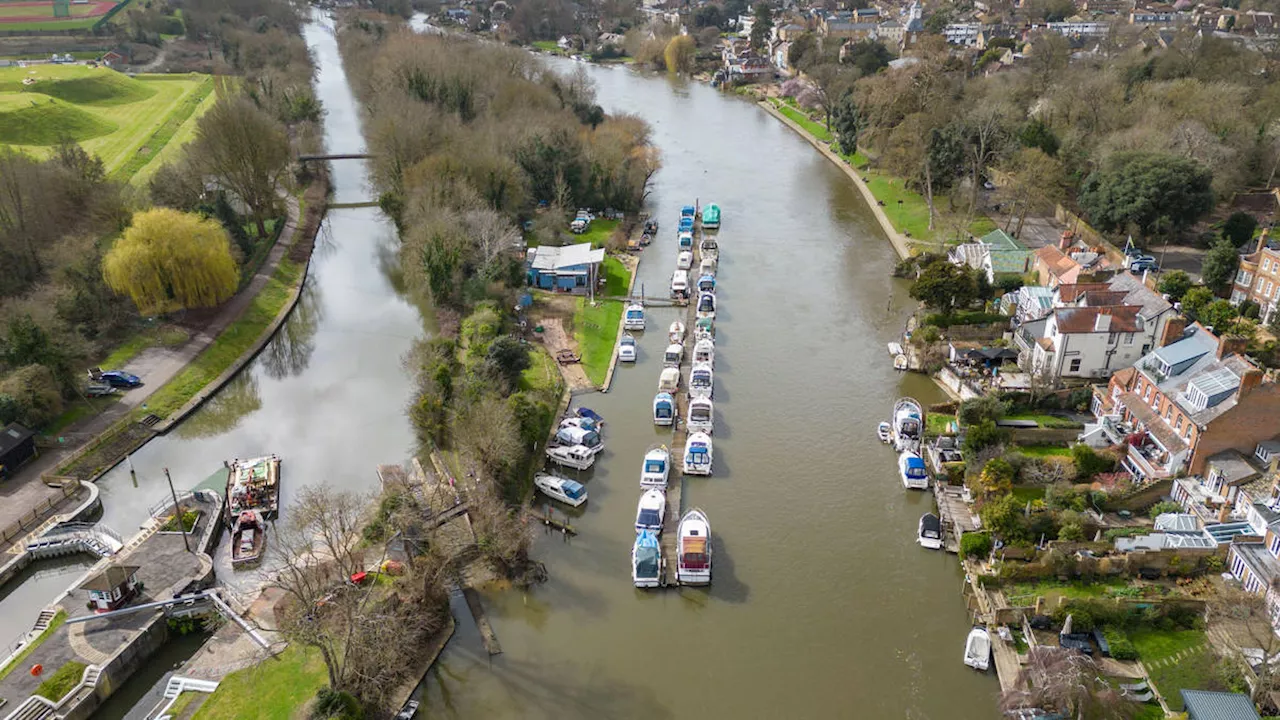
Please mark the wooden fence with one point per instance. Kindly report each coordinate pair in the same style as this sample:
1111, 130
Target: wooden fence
33, 517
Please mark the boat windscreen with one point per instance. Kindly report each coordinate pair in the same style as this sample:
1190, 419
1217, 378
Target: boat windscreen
573, 489
706, 303
654, 466
700, 412
662, 410
648, 518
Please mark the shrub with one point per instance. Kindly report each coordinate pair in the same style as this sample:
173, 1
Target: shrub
1162, 507
335, 705
1121, 647
929, 334
975, 544
35, 393
983, 435
1003, 516
1239, 228
1090, 463
997, 476
976, 410
1071, 532
965, 317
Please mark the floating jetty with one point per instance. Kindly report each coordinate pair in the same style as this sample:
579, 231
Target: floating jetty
955, 514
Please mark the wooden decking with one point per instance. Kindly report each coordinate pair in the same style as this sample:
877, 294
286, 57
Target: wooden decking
956, 516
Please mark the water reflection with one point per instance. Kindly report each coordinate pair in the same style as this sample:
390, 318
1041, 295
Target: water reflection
290, 350
224, 411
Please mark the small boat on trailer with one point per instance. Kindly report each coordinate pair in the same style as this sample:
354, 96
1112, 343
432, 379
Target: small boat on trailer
907, 423
673, 355
254, 484
646, 561
704, 352
627, 349
884, 432
694, 563
657, 468
701, 415
977, 649
701, 381
633, 317
698, 454
248, 540
569, 492
651, 510
929, 533
408, 711
911, 468
577, 457
664, 409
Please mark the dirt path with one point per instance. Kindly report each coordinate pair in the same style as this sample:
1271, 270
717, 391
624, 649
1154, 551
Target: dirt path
555, 338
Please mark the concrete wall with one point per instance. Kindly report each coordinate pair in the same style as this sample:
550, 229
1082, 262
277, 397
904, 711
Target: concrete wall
1142, 498
119, 668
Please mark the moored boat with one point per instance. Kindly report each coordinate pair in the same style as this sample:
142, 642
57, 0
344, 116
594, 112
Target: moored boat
571, 435
707, 283
694, 563
574, 456
883, 432
254, 484
579, 422
701, 381
569, 492
248, 539
627, 349
673, 355
911, 468
646, 561
664, 409
685, 239
633, 317
680, 284
709, 248
676, 332
929, 533
651, 510
706, 305
704, 328
684, 260
977, 649
669, 380
701, 415
704, 352
657, 467
408, 711
907, 423
698, 454
711, 216
707, 266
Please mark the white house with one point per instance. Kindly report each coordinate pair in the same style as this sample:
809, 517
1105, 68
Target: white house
1084, 342
962, 33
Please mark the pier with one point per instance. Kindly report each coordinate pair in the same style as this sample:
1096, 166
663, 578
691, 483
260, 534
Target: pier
954, 512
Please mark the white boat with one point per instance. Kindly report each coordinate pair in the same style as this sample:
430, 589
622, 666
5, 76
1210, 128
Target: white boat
704, 352
708, 266
698, 454
407, 711
664, 409
646, 561
627, 349
929, 533
911, 468
651, 510
673, 355
570, 436
685, 239
706, 283
900, 362
977, 649
706, 305
684, 260
580, 422
884, 432
701, 381
708, 248
657, 467
676, 332
669, 380
680, 283
704, 328
701, 415
569, 492
574, 456
693, 566
633, 317
908, 423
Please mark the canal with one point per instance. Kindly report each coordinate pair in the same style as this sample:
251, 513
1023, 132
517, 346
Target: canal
822, 605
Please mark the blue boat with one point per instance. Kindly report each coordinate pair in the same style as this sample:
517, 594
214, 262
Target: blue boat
686, 240
664, 408
686, 225
584, 412
688, 211
646, 561
914, 474
707, 283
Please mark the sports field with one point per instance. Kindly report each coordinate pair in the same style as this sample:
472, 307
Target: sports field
31, 15
128, 122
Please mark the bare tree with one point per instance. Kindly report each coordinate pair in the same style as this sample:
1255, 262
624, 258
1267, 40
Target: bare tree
487, 431
1249, 618
1067, 682
493, 235
247, 151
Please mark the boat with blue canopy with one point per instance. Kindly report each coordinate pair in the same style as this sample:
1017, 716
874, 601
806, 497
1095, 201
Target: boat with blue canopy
646, 561
651, 510
664, 408
569, 492
914, 475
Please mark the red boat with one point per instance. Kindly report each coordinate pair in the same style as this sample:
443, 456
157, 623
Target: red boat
248, 540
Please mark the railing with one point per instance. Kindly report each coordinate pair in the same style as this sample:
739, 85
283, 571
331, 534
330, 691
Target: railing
1146, 465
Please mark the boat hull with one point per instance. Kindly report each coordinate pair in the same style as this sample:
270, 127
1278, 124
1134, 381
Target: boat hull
929, 543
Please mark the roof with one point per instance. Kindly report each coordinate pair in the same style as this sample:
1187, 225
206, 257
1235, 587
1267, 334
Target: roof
1207, 705
1152, 302
12, 436
1155, 424
548, 257
1191, 347
1070, 292
1233, 466
1075, 320
112, 577
1102, 298
1057, 263
1000, 240
1177, 522
1261, 563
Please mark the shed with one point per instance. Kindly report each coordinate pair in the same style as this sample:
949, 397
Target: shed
1207, 705
17, 446
571, 268
110, 589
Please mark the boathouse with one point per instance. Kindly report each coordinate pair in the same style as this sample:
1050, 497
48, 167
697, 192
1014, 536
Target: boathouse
571, 268
17, 446
111, 589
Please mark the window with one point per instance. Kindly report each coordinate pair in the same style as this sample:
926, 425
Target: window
1149, 393
1167, 408
1197, 398
1259, 286
1075, 365
1128, 338
1274, 547
1270, 286
1237, 566
1253, 584
1266, 264
1186, 432
1177, 426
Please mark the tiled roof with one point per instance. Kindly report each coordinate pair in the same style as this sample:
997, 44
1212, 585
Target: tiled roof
1071, 292
1206, 705
1074, 320
1057, 263
1152, 302
1155, 424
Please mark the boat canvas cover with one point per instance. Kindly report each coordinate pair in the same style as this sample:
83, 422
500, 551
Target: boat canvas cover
578, 436
700, 378
693, 552
654, 466
706, 283
647, 555
930, 526
700, 411
572, 488
587, 412
648, 518
687, 212
915, 467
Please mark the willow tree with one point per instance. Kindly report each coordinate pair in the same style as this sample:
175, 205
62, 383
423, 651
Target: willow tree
168, 260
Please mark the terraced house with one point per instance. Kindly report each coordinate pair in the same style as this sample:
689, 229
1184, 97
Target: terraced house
1258, 279
1184, 402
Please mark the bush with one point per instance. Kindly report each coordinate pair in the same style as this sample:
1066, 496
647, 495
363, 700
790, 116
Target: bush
975, 544
929, 334
1090, 463
997, 476
1071, 532
334, 705
983, 435
35, 393
1162, 507
1121, 647
976, 410
1239, 228
964, 317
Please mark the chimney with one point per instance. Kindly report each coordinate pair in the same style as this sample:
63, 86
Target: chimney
1249, 382
1231, 345
1224, 512
1173, 330
1102, 321
1262, 239
1066, 241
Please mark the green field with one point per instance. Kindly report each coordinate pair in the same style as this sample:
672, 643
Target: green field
128, 122
274, 688
596, 328
79, 19
27, 11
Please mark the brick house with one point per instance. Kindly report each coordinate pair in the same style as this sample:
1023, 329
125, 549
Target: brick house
1258, 278
1054, 267
1191, 398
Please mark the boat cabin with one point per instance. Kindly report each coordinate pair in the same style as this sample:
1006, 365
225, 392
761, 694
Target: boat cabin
700, 414
673, 355
686, 240
707, 266
680, 284
704, 352
664, 408
701, 380
112, 588
655, 464
633, 318
669, 380
707, 283
706, 305
688, 211
578, 436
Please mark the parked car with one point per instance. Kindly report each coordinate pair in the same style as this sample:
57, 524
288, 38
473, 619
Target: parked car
94, 389
1142, 263
121, 379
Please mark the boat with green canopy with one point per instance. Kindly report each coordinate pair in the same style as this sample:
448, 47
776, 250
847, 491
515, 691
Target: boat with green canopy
711, 217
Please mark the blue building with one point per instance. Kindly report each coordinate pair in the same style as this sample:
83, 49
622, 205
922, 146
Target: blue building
571, 268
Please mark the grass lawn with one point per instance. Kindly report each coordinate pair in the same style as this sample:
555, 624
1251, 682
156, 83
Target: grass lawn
982, 225
1195, 671
912, 216
548, 45
542, 375
78, 410
60, 683
38, 120
937, 423
185, 133
616, 277
1043, 451
1027, 494
274, 688
233, 342
1052, 588
798, 116
1155, 644
164, 336
58, 619
161, 137
1048, 421
596, 328
599, 233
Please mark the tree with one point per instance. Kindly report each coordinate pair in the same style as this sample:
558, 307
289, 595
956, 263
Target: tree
1037, 183
1071, 532
1090, 463
679, 54
979, 409
1036, 134
762, 27
1239, 227
868, 56
33, 396
169, 259
1220, 315
1175, 284
943, 161
997, 476
985, 139
985, 434
1004, 516
846, 121
486, 430
829, 82
510, 356
1220, 264
247, 151
944, 286
1251, 614
1196, 300
709, 15
802, 51
1148, 191
1065, 681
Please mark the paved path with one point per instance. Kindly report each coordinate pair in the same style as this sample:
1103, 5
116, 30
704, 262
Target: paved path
156, 366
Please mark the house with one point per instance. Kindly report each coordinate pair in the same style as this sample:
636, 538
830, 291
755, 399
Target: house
111, 588
17, 446
996, 254
1206, 705
1157, 313
890, 32
842, 30
780, 52
914, 31
1151, 17
1185, 402
791, 31
1054, 268
1027, 303
867, 14
962, 33
111, 58
1108, 7
1231, 485
1079, 28
973, 353
1086, 342
1258, 279
571, 268
461, 15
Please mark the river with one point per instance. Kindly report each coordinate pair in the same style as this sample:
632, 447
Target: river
822, 604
